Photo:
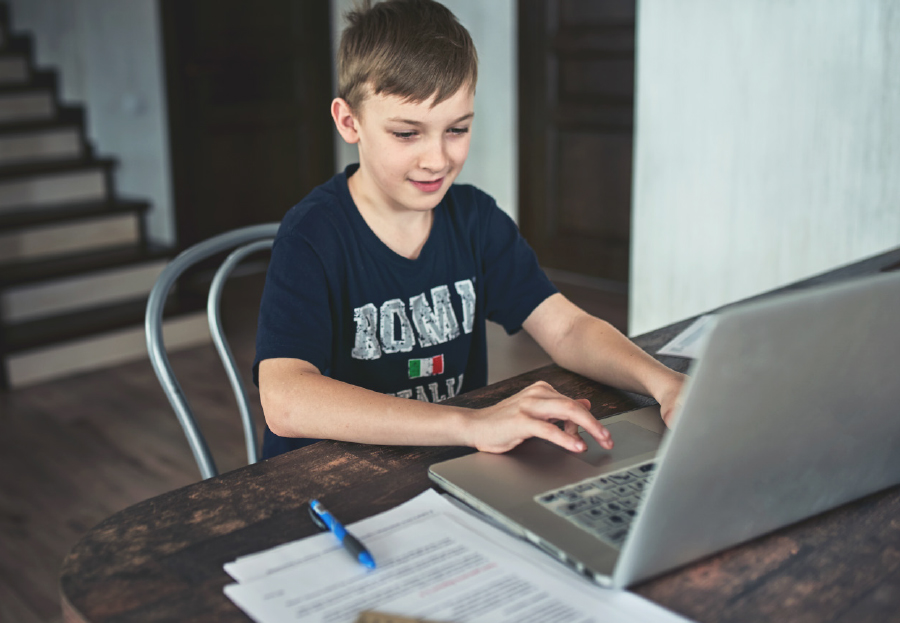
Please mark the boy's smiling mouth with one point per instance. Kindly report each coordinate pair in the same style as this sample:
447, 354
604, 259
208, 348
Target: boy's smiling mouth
429, 187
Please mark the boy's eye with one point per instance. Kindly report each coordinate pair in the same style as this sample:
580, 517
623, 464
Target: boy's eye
458, 131
404, 135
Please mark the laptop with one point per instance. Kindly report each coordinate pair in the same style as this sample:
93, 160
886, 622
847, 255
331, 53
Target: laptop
792, 408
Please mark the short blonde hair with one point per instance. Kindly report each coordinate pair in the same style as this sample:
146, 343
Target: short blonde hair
413, 49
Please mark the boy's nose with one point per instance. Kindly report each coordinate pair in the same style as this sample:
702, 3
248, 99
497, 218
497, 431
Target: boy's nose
434, 157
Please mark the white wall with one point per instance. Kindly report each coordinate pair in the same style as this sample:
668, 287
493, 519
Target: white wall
109, 58
767, 147
493, 156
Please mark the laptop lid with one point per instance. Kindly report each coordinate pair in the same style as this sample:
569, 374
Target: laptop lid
792, 409
788, 413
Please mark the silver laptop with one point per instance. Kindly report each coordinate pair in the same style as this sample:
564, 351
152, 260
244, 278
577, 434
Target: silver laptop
792, 408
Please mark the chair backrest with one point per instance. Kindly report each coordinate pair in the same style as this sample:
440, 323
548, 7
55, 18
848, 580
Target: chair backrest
244, 242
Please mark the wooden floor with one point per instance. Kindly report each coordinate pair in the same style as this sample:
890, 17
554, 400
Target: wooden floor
75, 451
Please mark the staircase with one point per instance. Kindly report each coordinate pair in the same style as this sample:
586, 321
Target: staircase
75, 262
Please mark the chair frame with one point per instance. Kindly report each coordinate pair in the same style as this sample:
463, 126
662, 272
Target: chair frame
245, 241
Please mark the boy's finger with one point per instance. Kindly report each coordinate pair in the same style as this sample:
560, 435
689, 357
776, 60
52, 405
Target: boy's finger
585, 419
549, 405
573, 413
547, 431
594, 428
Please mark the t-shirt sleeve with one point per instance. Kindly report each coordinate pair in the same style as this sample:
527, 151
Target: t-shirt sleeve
515, 284
295, 310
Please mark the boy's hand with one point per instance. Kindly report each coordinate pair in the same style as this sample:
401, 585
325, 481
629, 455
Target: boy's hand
531, 413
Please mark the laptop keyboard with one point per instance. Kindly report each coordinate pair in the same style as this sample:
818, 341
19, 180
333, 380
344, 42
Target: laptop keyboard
604, 505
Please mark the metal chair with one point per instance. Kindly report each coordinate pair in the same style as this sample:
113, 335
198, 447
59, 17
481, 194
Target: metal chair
244, 241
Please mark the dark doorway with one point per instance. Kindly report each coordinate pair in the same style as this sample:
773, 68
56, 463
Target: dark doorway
576, 101
249, 88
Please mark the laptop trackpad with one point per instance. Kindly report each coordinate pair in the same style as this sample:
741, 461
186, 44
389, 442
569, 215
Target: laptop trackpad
629, 440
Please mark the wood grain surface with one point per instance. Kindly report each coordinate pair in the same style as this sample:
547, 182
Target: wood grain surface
161, 559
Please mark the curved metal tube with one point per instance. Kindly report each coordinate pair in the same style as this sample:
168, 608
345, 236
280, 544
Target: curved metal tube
153, 330
214, 314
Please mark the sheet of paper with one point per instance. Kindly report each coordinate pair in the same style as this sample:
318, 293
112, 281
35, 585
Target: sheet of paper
689, 342
431, 565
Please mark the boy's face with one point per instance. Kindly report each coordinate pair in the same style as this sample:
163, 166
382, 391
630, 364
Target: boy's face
409, 153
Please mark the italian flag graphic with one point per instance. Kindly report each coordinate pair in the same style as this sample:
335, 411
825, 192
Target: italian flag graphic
426, 367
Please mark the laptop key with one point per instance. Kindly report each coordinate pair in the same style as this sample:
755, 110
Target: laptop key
607, 495
593, 518
613, 507
573, 507
617, 537
597, 500
604, 506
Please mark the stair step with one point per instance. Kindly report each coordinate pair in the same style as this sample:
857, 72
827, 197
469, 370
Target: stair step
51, 239
44, 288
62, 165
68, 181
103, 338
69, 212
4, 25
41, 145
55, 268
26, 105
14, 69
19, 42
40, 80
40, 333
34, 99
77, 292
66, 116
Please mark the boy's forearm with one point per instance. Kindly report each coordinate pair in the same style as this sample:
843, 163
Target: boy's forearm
301, 403
597, 350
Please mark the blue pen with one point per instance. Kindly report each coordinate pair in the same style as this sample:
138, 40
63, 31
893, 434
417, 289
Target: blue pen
326, 521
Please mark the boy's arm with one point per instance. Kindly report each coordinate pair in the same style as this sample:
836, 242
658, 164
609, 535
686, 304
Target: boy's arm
594, 348
298, 401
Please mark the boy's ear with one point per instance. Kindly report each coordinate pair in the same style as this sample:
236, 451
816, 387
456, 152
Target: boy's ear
344, 120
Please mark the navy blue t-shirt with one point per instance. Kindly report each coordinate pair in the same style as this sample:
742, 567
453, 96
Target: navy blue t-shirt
337, 297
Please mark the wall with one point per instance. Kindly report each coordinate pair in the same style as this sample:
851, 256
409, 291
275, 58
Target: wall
109, 58
493, 156
766, 147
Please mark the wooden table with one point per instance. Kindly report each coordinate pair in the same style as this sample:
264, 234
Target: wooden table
161, 559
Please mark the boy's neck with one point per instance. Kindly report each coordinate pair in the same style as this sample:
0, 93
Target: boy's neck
404, 232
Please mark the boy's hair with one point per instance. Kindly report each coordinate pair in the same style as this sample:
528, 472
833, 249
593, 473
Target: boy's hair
414, 49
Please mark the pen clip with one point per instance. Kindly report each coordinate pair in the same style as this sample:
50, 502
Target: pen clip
315, 517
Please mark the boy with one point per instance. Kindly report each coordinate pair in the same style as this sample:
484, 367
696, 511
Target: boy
382, 278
